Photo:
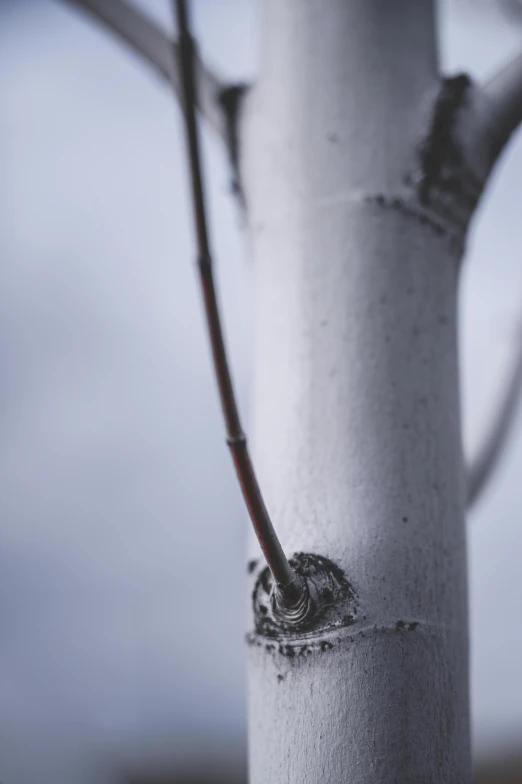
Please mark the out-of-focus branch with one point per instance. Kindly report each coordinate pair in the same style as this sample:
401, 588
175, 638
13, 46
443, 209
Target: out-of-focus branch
483, 466
513, 10
494, 114
503, 92
489, 115
159, 50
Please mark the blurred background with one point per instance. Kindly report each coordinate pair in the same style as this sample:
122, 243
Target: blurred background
119, 511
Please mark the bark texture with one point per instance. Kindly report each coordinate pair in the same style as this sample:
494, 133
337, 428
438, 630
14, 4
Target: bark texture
357, 435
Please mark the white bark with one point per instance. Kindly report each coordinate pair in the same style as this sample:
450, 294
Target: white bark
357, 426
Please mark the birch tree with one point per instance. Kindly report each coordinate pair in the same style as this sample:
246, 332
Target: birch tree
358, 166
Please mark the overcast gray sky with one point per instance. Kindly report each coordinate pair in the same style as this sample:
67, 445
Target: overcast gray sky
122, 602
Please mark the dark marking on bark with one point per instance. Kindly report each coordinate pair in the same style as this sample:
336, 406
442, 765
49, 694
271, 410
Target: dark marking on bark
280, 678
440, 154
231, 101
443, 179
265, 580
410, 210
290, 651
403, 626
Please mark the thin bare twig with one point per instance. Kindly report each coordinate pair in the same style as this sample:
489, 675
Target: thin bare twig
483, 466
290, 585
143, 36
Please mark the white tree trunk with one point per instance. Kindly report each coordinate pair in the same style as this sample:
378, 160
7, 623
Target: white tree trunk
357, 423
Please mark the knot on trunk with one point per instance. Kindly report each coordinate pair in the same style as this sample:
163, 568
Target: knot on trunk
329, 601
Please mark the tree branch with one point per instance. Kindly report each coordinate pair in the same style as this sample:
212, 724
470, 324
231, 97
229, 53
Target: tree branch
497, 112
493, 113
504, 94
159, 50
483, 466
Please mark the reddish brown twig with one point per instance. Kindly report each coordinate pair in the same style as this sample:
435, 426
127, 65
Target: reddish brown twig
290, 586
